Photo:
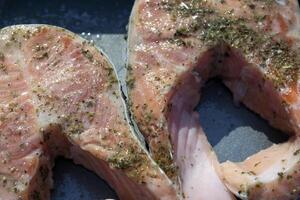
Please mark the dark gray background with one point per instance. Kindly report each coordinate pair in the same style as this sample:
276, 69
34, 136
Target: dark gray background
234, 131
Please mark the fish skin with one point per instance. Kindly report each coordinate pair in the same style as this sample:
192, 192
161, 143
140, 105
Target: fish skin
174, 47
60, 96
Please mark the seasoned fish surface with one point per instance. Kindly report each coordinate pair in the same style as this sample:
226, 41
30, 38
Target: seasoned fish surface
253, 46
60, 96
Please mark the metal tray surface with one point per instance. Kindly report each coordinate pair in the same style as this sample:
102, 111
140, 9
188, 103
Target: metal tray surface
234, 131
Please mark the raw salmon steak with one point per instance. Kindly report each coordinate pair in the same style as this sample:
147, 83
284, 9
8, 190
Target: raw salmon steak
174, 47
59, 96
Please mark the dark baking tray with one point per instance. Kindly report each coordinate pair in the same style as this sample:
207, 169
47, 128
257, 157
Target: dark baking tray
233, 130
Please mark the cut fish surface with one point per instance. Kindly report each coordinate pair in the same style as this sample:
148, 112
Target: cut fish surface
60, 96
253, 46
